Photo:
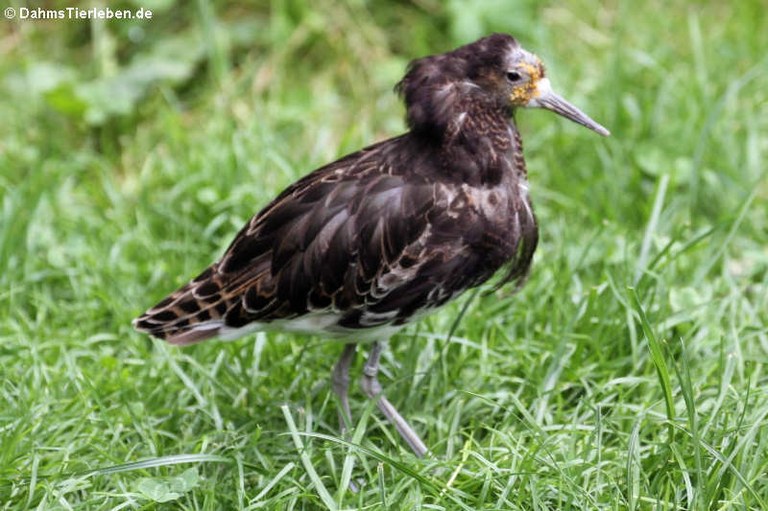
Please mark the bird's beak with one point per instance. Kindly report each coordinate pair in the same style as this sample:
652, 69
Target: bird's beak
548, 99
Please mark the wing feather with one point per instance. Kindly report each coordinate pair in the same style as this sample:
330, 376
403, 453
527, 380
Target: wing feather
367, 240
306, 251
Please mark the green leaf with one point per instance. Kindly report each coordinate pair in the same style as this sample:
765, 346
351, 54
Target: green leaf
156, 490
39, 78
166, 489
183, 483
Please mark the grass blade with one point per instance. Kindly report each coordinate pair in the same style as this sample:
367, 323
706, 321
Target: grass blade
657, 357
163, 461
322, 491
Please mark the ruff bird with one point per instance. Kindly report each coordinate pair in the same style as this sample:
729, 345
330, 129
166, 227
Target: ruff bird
363, 246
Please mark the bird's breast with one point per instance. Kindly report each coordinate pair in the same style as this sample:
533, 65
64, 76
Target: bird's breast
495, 221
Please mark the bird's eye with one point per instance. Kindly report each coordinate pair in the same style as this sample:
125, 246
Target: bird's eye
513, 76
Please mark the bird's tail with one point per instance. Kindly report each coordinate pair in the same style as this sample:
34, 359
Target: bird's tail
191, 314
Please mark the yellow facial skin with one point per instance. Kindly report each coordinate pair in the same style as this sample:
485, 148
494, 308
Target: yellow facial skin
526, 91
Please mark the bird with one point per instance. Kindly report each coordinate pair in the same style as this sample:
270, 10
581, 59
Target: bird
367, 244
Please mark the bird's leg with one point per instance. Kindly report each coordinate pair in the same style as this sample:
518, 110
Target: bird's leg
340, 383
372, 388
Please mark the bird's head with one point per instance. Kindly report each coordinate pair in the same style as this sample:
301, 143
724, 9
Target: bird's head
494, 70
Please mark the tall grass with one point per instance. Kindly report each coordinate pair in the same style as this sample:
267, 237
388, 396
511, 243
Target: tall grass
628, 373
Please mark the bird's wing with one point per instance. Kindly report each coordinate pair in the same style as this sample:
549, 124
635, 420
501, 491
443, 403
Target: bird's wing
350, 239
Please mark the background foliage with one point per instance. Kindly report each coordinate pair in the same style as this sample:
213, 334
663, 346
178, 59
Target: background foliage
628, 374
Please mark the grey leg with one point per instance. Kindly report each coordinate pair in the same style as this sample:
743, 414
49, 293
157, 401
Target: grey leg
340, 383
372, 388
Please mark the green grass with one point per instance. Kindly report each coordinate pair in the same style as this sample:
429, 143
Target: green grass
629, 373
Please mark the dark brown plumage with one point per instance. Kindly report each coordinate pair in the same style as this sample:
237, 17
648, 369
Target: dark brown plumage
360, 247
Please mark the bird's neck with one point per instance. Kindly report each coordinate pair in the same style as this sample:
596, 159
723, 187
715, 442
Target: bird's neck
483, 146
